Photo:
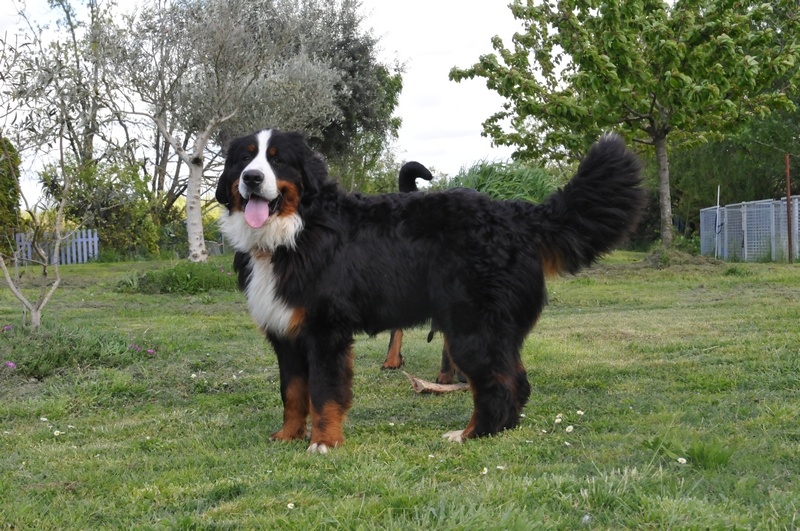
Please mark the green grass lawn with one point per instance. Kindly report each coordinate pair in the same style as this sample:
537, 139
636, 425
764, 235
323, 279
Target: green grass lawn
663, 398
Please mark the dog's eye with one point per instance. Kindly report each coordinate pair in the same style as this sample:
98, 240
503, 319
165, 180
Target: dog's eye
247, 158
275, 159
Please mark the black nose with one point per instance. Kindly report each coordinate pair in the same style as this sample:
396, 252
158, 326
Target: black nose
252, 178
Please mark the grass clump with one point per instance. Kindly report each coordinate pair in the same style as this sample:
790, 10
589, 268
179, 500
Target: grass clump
52, 348
184, 277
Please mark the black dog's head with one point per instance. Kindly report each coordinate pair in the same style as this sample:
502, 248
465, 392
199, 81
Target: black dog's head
267, 177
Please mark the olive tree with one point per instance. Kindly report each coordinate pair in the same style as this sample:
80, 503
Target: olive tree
202, 67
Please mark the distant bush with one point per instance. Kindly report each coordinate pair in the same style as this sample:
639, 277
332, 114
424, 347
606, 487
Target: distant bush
687, 244
507, 180
183, 277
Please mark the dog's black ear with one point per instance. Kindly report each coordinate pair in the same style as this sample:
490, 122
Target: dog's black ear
227, 177
313, 167
223, 194
315, 172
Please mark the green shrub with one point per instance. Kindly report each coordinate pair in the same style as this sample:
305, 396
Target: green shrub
183, 277
687, 244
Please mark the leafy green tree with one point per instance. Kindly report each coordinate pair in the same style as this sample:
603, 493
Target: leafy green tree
748, 165
367, 92
686, 71
111, 199
357, 148
9, 195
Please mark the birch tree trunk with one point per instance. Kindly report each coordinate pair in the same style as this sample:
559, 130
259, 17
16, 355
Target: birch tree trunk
194, 213
194, 186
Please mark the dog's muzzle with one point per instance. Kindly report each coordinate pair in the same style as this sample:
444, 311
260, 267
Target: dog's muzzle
257, 208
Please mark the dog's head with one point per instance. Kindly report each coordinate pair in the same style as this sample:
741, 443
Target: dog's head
268, 177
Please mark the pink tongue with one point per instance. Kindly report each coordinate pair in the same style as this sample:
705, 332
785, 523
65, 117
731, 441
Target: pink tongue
256, 212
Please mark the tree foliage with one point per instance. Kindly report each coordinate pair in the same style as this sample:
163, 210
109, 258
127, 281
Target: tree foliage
747, 166
210, 70
689, 71
112, 199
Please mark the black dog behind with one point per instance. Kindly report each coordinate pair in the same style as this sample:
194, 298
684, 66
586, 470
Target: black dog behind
406, 182
318, 265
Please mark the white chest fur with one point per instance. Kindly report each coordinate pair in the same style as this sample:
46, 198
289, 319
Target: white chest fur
270, 312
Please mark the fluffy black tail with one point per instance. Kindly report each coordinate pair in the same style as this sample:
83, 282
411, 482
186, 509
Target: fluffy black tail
594, 211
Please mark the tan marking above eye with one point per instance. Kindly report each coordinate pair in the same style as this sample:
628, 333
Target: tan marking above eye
272, 151
251, 148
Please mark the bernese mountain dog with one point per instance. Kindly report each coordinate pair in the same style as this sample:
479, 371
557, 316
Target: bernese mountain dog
318, 265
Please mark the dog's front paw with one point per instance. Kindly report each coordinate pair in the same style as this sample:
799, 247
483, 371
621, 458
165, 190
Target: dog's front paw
456, 436
288, 434
318, 448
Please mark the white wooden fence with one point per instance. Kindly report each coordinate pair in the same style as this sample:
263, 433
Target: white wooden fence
78, 248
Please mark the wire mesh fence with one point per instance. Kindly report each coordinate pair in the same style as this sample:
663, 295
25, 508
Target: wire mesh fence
753, 231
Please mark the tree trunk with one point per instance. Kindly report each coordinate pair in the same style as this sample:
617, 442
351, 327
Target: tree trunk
194, 214
36, 318
664, 197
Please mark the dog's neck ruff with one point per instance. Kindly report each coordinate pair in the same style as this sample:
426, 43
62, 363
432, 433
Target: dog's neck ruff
280, 231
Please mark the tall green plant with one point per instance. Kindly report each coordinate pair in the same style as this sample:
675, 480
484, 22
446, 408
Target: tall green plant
506, 180
9, 195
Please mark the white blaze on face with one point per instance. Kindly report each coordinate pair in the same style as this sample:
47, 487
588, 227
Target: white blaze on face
257, 209
257, 227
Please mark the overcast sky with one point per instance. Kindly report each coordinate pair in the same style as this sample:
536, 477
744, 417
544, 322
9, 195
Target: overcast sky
441, 119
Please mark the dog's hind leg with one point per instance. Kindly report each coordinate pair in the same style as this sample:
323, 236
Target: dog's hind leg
394, 359
293, 368
498, 382
447, 369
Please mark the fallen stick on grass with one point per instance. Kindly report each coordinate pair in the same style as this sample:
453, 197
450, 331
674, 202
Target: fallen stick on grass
423, 386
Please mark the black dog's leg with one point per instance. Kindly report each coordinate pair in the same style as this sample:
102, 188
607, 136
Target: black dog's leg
394, 359
448, 372
446, 369
293, 368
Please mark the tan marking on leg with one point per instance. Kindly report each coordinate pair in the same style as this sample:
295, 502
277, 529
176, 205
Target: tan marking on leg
326, 427
459, 436
327, 423
295, 412
394, 360
552, 265
447, 367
